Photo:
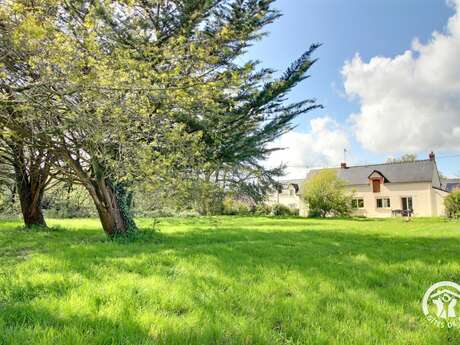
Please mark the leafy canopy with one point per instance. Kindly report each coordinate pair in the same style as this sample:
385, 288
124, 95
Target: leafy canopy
325, 194
452, 204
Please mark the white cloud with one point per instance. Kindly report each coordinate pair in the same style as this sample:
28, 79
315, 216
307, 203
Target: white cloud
411, 102
322, 146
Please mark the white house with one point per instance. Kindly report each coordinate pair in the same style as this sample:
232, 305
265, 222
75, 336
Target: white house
380, 190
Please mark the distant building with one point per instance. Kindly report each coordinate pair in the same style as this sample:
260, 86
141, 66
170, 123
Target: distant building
380, 190
289, 194
451, 184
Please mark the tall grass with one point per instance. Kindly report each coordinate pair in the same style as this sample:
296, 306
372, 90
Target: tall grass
226, 280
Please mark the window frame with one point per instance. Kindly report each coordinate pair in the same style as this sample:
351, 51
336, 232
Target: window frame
357, 201
411, 202
385, 205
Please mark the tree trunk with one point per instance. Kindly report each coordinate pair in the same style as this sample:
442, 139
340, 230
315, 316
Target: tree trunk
112, 204
30, 185
31, 208
30, 197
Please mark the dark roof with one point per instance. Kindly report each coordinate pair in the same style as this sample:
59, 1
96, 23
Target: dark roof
416, 171
293, 181
296, 183
451, 184
379, 173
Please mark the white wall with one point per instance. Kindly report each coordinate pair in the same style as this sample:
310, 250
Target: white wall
421, 193
287, 197
426, 201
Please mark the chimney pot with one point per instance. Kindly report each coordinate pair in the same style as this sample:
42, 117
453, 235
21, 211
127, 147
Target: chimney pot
432, 156
343, 165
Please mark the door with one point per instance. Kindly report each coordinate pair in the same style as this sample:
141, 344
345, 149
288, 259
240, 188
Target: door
407, 204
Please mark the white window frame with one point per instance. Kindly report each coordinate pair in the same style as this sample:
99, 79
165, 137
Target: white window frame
385, 205
407, 197
357, 204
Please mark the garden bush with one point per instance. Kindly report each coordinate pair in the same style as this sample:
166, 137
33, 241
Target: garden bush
232, 207
282, 210
452, 204
263, 210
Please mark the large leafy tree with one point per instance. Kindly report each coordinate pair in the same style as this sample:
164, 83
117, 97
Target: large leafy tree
326, 195
27, 166
124, 90
239, 132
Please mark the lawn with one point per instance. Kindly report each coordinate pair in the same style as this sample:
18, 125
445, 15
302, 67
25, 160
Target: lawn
226, 281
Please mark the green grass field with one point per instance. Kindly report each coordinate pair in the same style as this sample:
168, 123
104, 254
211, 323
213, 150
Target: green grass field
226, 281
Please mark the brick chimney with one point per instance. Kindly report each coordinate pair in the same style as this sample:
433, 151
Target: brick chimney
432, 156
343, 165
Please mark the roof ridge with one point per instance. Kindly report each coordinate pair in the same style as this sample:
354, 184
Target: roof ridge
389, 163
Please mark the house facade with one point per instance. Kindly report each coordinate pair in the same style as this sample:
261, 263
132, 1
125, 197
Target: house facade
289, 194
381, 190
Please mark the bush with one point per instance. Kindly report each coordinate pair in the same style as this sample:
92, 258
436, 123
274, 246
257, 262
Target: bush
295, 211
282, 210
452, 204
232, 207
263, 210
325, 195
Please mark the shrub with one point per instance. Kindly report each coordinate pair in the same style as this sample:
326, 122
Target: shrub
325, 194
452, 204
263, 210
281, 210
234, 207
295, 211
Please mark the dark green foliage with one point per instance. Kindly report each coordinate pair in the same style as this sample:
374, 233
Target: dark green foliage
238, 134
282, 210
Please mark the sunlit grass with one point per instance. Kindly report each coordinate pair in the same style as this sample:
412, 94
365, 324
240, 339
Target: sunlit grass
226, 280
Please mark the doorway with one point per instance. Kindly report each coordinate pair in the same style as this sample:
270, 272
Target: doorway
407, 204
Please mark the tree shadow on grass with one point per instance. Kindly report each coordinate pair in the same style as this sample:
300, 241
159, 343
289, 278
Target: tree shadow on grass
395, 269
38, 324
266, 247
347, 259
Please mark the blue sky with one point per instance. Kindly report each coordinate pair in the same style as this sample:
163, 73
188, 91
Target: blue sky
370, 28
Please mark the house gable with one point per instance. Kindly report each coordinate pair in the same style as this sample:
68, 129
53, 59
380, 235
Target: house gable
377, 175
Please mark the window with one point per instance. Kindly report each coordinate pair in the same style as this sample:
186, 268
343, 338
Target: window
407, 203
357, 203
376, 186
383, 203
